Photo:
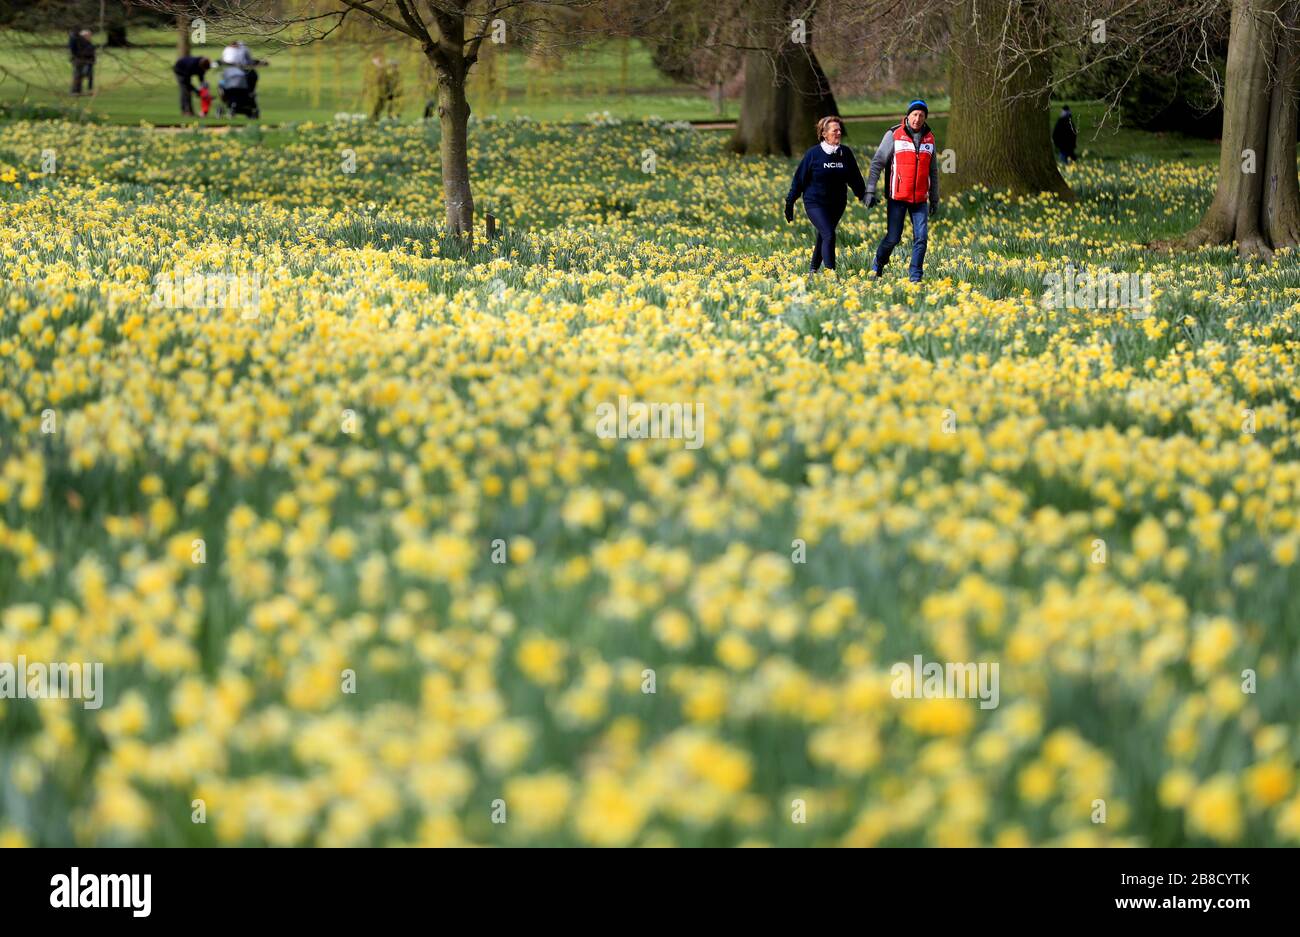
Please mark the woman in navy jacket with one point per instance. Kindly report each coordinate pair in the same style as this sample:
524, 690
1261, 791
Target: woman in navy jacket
824, 175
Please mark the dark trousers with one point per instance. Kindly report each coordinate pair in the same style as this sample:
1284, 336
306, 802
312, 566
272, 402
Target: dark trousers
187, 104
824, 219
895, 213
385, 102
83, 71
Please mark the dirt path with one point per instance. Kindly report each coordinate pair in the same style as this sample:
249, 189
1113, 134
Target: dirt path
182, 128
697, 124
848, 119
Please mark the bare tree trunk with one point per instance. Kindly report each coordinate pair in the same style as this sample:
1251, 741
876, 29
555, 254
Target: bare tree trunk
1000, 128
1259, 210
453, 113
786, 92
115, 29
451, 66
1281, 188
810, 96
182, 36
762, 126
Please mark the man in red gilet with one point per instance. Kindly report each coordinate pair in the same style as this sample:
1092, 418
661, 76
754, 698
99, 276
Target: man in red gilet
908, 158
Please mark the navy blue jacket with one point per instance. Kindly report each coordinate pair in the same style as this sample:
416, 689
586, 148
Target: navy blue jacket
824, 179
80, 48
190, 68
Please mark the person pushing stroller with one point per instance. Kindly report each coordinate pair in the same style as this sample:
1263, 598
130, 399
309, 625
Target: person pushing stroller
238, 82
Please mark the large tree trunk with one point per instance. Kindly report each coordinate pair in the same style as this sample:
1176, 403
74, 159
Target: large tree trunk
763, 126
115, 27
182, 36
1257, 201
1281, 187
786, 91
1000, 128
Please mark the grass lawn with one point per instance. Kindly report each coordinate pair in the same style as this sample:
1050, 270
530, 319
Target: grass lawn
318, 81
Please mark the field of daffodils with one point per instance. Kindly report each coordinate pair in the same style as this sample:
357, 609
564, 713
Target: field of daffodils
325, 493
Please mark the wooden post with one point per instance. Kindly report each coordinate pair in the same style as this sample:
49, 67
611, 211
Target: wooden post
491, 223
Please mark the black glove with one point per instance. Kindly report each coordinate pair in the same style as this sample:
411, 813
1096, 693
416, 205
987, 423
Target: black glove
871, 200
789, 211
934, 207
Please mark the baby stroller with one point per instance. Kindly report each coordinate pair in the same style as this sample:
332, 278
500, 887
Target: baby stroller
238, 94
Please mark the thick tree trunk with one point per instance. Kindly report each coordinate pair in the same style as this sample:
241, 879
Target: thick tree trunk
786, 92
1257, 200
115, 28
1281, 187
763, 124
810, 97
182, 36
1000, 128
1233, 215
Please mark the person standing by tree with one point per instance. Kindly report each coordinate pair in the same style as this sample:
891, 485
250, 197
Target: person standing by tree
825, 174
1065, 137
82, 51
907, 156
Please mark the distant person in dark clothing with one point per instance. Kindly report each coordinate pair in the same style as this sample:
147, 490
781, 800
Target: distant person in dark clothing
82, 52
186, 70
1065, 137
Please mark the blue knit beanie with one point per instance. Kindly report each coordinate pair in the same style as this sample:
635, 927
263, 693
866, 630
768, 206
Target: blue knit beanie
918, 104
